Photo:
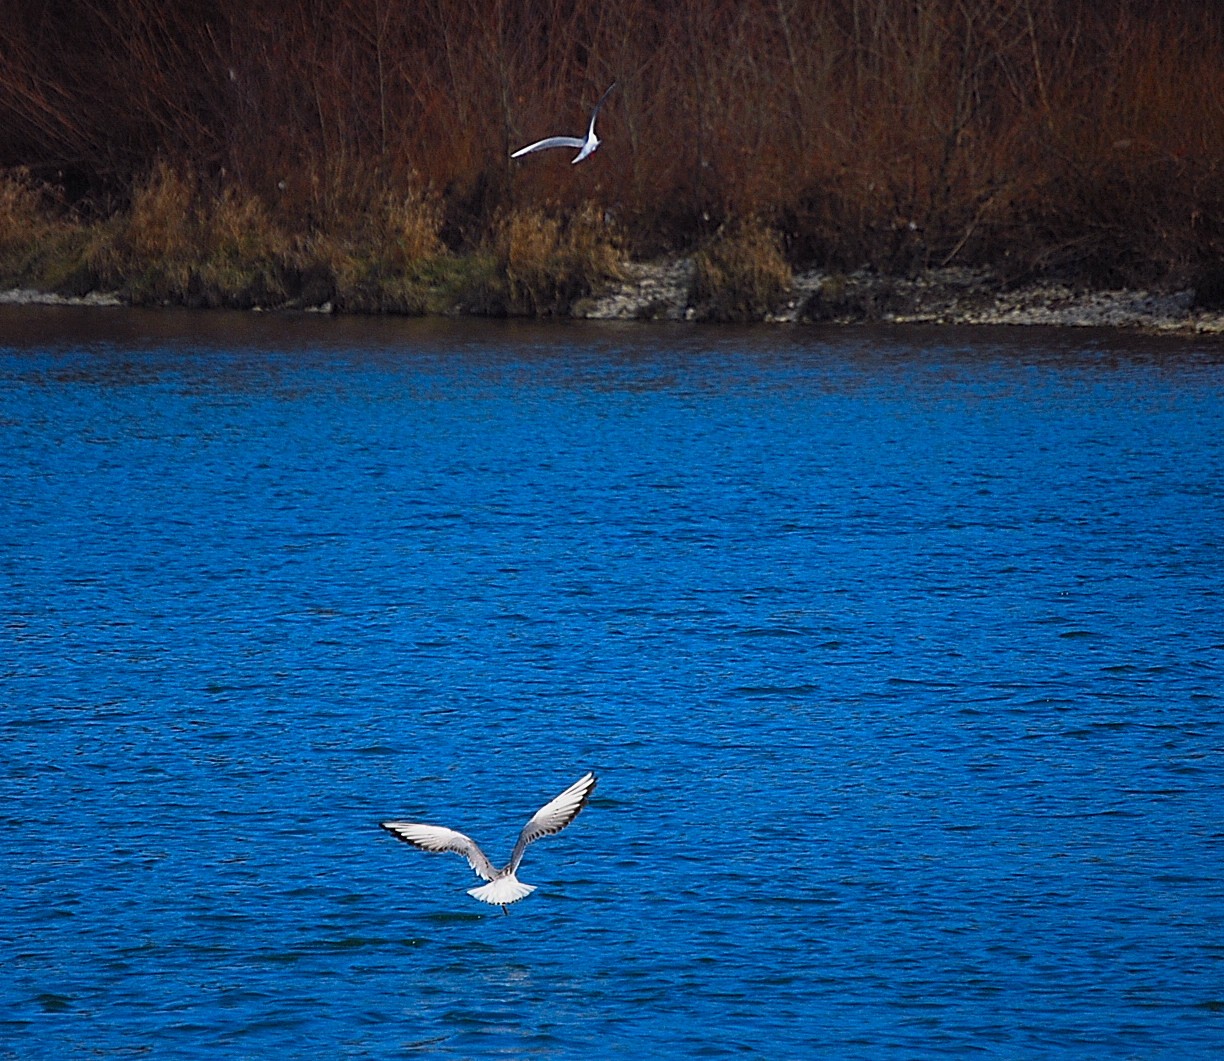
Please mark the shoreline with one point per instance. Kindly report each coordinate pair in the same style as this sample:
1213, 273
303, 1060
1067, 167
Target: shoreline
661, 290
953, 296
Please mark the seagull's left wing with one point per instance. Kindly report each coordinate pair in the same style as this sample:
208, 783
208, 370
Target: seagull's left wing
552, 141
553, 817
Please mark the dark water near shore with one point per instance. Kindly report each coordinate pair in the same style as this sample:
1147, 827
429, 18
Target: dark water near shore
898, 654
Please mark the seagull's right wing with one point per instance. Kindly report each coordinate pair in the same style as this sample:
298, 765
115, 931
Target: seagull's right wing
437, 838
553, 817
552, 141
595, 112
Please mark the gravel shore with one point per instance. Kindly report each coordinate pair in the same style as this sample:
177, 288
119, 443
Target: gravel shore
660, 291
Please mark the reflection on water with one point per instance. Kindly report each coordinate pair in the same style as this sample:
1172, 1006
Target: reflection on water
897, 653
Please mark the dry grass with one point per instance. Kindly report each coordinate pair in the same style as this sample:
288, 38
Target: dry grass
23, 226
179, 245
741, 274
162, 226
239, 228
41, 245
380, 257
155, 244
546, 262
412, 222
243, 253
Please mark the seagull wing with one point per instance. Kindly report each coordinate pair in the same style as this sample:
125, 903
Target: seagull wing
552, 141
436, 838
553, 817
595, 112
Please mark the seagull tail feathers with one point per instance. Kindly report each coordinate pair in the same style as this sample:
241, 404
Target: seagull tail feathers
503, 891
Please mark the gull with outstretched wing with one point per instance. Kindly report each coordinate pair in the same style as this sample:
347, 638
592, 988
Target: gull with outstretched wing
587, 146
504, 887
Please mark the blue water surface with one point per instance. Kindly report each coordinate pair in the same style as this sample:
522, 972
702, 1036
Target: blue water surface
898, 655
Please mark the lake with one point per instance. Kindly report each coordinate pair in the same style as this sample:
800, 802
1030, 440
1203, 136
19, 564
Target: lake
898, 654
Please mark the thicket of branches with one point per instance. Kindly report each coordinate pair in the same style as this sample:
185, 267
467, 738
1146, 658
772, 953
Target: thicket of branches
1082, 136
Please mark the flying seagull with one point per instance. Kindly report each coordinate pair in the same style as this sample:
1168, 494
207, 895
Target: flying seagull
504, 887
588, 146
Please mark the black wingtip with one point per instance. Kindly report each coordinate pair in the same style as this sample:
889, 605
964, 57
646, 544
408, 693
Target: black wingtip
389, 827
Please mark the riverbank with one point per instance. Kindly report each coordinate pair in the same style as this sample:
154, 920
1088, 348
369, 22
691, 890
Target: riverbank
664, 291
661, 291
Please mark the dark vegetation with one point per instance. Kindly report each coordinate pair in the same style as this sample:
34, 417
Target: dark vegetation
356, 151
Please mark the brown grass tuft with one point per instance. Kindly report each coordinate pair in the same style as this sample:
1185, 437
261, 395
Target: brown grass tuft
380, 256
157, 242
741, 274
243, 254
41, 245
23, 225
161, 226
546, 262
411, 221
239, 228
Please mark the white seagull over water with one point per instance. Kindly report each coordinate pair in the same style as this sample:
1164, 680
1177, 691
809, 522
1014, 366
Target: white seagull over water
588, 146
504, 887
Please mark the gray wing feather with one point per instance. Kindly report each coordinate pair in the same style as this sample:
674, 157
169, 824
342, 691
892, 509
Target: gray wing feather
437, 838
552, 141
595, 112
553, 817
